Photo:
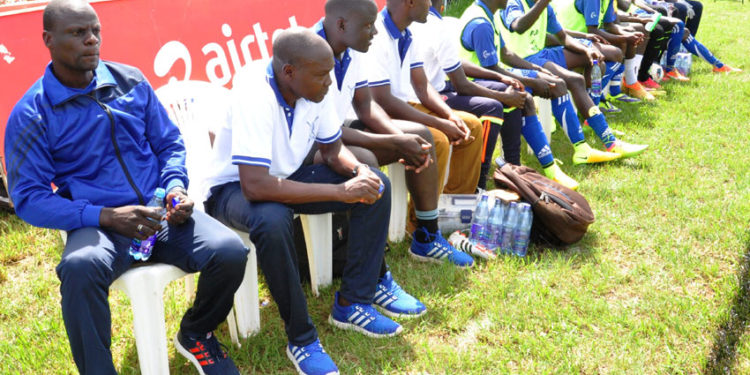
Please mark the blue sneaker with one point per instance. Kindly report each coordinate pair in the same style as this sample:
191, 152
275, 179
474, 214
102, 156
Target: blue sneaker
393, 301
364, 319
205, 353
438, 250
311, 359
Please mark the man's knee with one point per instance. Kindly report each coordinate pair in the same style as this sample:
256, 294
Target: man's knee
79, 271
229, 251
269, 221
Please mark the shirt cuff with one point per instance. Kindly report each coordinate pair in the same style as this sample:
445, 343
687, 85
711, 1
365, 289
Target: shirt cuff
90, 215
173, 183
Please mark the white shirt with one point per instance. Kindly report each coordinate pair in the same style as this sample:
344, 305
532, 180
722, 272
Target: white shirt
438, 51
348, 74
386, 66
264, 131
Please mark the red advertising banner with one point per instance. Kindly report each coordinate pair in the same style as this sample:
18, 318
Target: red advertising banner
200, 40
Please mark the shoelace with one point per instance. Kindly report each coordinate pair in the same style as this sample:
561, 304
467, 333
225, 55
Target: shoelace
213, 348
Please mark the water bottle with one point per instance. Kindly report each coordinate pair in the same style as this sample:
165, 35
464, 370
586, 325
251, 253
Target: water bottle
495, 224
596, 80
523, 230
509, 227
141, 250
479, 222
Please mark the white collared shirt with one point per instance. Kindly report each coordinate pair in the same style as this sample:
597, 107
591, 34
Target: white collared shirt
438, 51
259, 132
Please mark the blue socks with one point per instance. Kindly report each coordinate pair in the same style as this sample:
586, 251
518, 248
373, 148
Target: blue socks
674, 45
616, 79
536, 139
599, 124
611, 69
696, 48
566, 116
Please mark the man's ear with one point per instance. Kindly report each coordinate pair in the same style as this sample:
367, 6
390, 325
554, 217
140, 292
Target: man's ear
47, 38
341, 24
288, 71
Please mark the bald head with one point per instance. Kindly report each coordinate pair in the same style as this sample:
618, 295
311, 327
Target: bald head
61, 9
345, 8
298, 45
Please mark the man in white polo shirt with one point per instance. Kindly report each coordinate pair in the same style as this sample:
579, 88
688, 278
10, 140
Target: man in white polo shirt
278, 113
395, 75
349, 27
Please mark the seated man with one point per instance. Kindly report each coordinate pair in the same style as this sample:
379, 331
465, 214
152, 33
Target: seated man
480, 45
277, 114
97, 131
598, 17
395, 73
682, 35
348, 27
659, 37
485, 99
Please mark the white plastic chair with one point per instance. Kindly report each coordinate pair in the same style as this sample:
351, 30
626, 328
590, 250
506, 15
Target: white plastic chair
544, 113
195, 106
399, 199
144, 285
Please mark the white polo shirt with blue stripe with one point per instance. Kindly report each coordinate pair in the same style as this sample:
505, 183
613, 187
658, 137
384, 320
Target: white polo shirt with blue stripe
439, 52
392, 56
264, 131
349, 74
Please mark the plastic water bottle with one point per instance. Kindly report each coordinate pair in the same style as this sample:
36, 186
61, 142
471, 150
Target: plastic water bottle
596, 80
479, 222
509, 228
523, 230
495, 224
141, 250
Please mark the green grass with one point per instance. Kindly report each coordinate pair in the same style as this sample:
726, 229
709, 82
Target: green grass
659, 284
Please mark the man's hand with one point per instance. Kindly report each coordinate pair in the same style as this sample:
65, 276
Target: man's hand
596, 39
514, 98
131, 221
461, 126
510, 81
178, 214
541, 87
413, 151
363, 188
594, 54
635, 38
543, 70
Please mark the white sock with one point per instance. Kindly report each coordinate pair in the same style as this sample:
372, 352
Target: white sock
630, 76
637, 66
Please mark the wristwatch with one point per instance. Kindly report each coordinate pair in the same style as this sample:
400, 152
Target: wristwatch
355, 170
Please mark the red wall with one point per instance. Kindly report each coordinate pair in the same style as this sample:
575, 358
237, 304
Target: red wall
167, 39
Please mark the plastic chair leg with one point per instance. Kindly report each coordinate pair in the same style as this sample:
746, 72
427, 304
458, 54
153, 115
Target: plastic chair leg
318, 238
544, 113
246, 307
145, 288
399, 198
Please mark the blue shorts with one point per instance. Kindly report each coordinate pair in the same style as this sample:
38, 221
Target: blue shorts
553, 54
523, 72
585, 42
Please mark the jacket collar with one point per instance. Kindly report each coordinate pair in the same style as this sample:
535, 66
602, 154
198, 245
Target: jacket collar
57, 93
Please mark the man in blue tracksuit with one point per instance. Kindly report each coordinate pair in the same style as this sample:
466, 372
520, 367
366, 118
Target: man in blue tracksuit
97, 131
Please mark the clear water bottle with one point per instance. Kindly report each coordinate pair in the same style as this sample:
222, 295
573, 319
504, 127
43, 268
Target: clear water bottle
141, 250
523, 230
509, 228
596, 80
495, 223
479, 222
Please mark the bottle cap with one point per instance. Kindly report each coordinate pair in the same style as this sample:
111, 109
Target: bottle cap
160, 193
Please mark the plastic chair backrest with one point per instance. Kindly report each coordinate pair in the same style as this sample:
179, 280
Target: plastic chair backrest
197, 108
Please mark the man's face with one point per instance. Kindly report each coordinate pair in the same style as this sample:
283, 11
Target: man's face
74, 40
360, 28
420, 10
312, 78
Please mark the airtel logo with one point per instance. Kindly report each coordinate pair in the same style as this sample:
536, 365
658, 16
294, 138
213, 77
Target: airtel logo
218, 68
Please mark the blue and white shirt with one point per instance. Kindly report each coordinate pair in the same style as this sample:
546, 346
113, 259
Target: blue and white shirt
514, 9
479, 36
392, 56
348, 75
265, 131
